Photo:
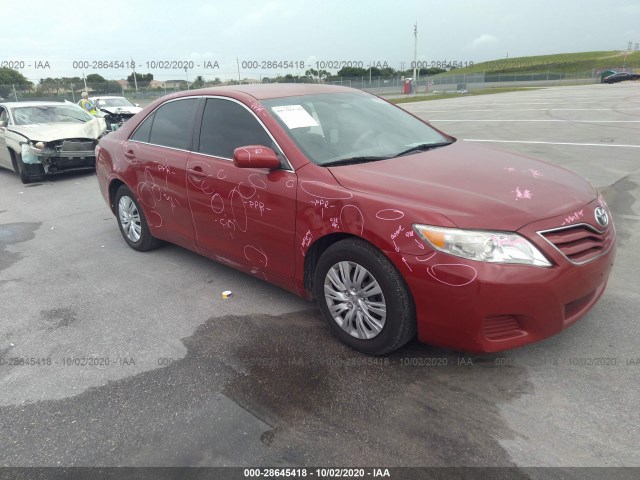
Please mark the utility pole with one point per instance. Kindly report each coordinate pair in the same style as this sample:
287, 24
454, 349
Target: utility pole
187, 75
238, 60
85, 83
135, 79
415, 55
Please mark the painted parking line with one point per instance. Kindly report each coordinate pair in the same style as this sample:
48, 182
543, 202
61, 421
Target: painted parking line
551, 143
533, 120
510, 104
534, 110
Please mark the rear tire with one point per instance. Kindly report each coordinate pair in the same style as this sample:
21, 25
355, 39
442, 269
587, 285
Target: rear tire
364, 298
132, 222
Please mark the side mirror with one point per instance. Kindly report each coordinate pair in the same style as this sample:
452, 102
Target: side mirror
255, 156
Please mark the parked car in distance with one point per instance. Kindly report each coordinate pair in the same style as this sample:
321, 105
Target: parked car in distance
41, 138
621, 77
393, 226
115, 110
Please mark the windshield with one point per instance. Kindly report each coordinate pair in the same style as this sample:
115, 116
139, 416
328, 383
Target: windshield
49, 114
114, 102
355, 126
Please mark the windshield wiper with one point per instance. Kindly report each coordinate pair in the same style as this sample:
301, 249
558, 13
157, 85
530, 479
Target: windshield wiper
422, 147
352, 160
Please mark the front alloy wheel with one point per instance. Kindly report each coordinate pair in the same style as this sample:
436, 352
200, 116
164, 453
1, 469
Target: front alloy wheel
363, 297
355, 300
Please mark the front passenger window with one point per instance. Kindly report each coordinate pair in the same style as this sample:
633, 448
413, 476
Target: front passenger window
226, 125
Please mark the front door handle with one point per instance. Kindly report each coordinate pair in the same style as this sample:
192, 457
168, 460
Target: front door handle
129, 154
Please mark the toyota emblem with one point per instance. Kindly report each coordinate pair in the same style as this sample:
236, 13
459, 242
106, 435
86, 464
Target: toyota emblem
601, 217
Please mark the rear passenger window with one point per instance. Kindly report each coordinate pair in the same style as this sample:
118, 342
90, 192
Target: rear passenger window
173, 124
226, 126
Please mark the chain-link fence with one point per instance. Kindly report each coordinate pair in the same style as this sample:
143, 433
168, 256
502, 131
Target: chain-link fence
72, 92
481, 81
396, 85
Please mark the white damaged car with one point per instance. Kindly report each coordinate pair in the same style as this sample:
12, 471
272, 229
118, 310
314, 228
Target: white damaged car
41, 138
115, 110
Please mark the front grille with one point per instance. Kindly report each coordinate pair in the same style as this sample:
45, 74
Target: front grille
77, 145
502, 327
580, 243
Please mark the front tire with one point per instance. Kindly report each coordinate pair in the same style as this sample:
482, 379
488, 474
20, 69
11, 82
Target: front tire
26, 173
364, 298
132, 222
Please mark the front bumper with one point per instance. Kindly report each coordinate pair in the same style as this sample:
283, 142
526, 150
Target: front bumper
481, 307
58, 160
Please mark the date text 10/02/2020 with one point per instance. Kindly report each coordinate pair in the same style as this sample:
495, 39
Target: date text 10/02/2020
219, 64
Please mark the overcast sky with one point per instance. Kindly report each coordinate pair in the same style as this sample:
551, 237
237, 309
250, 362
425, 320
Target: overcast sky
61, 32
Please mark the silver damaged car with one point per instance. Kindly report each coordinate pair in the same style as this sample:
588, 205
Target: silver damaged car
42, 138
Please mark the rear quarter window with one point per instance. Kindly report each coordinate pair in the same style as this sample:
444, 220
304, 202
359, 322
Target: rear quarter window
171, 125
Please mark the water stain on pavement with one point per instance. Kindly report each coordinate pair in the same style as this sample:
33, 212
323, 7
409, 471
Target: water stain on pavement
59, 317
417, 406
10, 234
313, 401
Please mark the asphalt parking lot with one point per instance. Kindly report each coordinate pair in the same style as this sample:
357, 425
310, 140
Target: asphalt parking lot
175, 375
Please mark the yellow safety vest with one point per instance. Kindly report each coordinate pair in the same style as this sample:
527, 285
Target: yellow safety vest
84, 106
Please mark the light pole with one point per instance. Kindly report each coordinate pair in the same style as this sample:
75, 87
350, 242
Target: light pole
187, 75
415, 56
135, 77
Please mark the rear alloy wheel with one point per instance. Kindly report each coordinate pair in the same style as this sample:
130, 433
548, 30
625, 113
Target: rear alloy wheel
133, 225
364, 298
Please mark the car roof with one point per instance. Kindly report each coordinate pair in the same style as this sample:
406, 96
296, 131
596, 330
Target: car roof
271, 90
35, 104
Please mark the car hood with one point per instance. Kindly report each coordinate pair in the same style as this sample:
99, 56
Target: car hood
475, 187
58, 131
121, 110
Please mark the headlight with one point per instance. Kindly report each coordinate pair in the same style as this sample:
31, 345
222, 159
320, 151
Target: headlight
40, 148
484, 246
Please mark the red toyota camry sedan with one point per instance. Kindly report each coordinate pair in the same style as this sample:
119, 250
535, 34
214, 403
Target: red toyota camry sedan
395, 228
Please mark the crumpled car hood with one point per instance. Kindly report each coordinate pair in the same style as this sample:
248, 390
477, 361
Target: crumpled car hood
59, 131
121, 110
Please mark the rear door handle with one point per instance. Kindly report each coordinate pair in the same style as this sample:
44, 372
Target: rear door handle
130, 154
197, 171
